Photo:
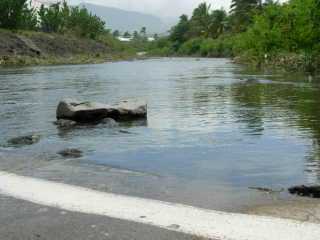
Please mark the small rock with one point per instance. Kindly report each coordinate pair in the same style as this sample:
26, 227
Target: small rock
71, 153
24, 140
306, 191
109, 122
124, 131
63, 123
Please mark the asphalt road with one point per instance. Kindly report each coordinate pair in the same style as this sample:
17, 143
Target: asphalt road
21, 220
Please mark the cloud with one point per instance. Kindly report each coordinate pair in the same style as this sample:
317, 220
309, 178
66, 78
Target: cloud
162, 8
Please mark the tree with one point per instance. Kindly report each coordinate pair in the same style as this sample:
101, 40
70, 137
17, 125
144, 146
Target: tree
156, 36
77, 20
242, 12
65, 14
218, 23
315, 17
116, 33
51, 18
201, 20
85, 24
143, 31
127, 35
179, 33
136, 35
29, 19
15, 13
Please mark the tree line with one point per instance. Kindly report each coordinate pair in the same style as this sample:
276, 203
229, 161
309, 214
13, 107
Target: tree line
57, 18
142, 34
254, 28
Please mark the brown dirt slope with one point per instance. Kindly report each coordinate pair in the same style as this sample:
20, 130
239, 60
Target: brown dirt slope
35, 45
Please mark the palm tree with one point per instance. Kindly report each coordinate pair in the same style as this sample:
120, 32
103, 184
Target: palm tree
242, 12
218, 22
201, 20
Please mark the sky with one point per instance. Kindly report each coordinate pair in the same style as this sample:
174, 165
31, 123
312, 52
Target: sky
162, 8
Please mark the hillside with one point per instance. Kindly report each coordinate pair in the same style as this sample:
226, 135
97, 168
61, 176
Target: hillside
32, 48
117, 19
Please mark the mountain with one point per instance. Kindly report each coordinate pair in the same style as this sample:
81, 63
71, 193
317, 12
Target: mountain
122, 20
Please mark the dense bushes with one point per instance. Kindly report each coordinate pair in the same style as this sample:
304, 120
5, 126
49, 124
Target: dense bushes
262, 31
288, 27
83, 23
62, 18
284, 29
17, 15
58, 17
221, 47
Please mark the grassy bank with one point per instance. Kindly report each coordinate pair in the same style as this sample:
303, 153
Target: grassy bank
230, 46
259, 33
37, 48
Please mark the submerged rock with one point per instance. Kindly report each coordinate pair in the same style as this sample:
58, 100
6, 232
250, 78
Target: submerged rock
306, 191
64, 123
266, 190
85, 112
24, 140
109, 122
71, 153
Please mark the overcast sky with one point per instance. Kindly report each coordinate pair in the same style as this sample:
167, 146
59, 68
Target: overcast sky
164, 8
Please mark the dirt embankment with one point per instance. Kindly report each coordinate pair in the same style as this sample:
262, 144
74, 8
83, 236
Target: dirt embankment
41, 48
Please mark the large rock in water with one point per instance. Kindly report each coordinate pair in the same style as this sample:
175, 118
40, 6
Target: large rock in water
85, 112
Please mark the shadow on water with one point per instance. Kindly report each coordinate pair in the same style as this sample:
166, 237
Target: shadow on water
290, 99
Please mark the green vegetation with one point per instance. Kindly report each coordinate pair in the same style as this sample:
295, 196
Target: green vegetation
17, 15
260, 32
54, 34
58, 18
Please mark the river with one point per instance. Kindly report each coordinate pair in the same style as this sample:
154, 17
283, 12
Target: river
214, 128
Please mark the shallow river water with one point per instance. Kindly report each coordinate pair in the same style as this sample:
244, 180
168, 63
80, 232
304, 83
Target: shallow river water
210, 122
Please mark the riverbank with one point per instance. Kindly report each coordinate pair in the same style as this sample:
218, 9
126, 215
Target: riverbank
37, 48
298, 208
40, 206
27, 48
227, 48
286, 62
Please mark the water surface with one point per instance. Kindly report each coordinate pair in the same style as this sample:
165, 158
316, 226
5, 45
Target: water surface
210, 122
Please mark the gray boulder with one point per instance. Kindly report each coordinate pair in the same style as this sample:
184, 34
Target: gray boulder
85, 112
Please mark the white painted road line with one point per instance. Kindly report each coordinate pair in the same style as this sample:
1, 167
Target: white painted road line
177, 217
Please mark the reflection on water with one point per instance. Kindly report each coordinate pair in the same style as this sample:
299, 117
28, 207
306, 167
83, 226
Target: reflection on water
209, 120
